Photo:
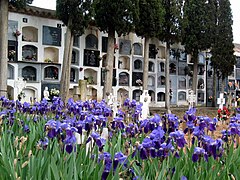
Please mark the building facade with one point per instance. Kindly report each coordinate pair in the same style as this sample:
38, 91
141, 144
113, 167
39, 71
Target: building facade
36, 46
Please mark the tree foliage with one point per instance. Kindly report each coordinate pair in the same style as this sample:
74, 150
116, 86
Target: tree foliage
114, 16
170, 33
223, 57
79, 11
196, 34
195, 26
151, 17
20, 3
171, 29
76, 14
149, 25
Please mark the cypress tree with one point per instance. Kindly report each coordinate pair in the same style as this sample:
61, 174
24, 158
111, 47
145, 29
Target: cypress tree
76, 14
114, 16
196, 34
171, 33
223, 58
149, 25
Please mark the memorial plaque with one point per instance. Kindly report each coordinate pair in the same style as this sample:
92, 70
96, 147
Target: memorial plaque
12, 27
161, 81
181, 68
12, 50
103, 75
123, 79
182, 96
91, 58
238, 62
136, 76
201, 59
182, 56
29, 53
29, 73
125, 47
210, 83
138, 64
104, 44
91, 42
200, 99
52, 36
137, 49
182, 83
237, 73
76, 41
152, 51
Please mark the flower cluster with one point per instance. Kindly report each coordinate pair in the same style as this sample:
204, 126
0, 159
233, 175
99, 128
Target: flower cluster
17, 33
54, 92
11, 53
128, 138
223, 114
139, 82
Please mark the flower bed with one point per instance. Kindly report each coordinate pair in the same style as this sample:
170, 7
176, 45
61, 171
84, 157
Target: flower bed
39, 141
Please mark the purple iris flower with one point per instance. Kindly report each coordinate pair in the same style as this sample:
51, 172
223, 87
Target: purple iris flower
131, 130
143, 152
225, 135
146, 125
178, 136
26, 128
43, 143
107, 164
119, 158
127, 102
156, 119
95, 135
173, 121
191, 111
190, 115
50, 127
118, 123
198, 132
212, 126
70, 140
99, 140
147, 143
184, 178
234, 128
153, 152
198, 152
215, 148
165, 149
190, 124
157, 134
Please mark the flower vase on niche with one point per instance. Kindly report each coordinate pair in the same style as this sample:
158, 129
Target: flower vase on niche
54, 92
11, 55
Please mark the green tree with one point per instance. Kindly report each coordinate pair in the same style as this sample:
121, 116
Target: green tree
149, 25
76, 14
4, 39
171, 33
114, 16
196, 34
223, 58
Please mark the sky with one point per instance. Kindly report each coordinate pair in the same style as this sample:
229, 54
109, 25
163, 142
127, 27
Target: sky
235, 4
